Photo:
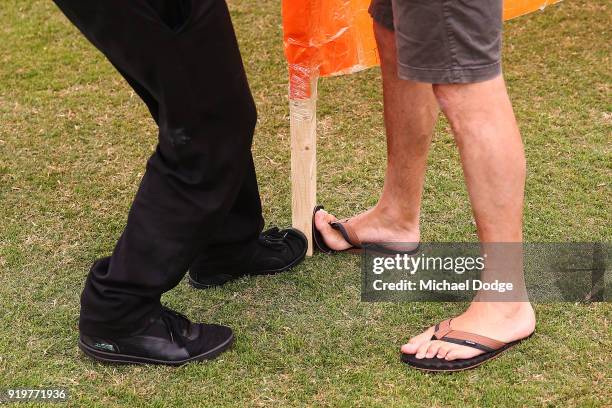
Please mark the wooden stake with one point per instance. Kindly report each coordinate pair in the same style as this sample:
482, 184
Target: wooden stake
303, 123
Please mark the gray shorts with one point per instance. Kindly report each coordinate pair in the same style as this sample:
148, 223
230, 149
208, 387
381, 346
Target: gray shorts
444, 41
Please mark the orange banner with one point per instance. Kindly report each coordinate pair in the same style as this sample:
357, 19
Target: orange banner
334, 37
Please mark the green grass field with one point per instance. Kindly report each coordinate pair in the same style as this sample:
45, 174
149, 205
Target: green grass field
73, 143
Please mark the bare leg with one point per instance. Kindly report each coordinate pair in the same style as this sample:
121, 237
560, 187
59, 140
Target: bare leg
410, 112
494, 167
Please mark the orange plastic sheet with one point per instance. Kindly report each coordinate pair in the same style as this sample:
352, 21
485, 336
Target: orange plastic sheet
334, 37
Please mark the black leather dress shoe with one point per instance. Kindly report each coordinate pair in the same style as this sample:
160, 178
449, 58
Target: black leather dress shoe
273, 252
170, 339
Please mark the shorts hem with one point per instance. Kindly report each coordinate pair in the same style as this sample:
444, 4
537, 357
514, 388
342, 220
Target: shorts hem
449, 75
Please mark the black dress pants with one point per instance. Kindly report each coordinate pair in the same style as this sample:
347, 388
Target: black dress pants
199, 190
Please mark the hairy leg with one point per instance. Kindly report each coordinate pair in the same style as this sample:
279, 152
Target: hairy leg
494, 167
410, 112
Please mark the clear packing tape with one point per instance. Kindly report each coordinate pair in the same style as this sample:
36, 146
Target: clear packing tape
335, 37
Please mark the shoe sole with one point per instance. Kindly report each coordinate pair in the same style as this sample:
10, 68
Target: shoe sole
128, 359
198, 285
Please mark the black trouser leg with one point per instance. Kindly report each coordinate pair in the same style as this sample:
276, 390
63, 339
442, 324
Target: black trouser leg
247, 207
182, 58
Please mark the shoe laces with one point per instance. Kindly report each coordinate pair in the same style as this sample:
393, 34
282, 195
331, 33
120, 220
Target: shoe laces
273, 238
177, 324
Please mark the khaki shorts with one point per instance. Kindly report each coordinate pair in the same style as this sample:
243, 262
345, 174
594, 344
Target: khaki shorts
444, 41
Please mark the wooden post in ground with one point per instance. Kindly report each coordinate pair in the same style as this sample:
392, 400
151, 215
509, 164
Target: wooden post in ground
303, 123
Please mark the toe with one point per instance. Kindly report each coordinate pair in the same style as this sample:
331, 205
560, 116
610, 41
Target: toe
462, 352
432, 351
452, 355
410, 347
323, 218
422, 350
413, 344
442, 351
332, 238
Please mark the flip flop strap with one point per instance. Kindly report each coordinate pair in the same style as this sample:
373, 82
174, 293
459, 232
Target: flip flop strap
347, 232
444, 332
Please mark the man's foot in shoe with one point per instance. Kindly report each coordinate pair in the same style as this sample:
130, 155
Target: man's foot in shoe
273, 252
169, 339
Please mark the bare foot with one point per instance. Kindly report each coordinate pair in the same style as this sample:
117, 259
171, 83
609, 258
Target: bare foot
503, 321
372, 226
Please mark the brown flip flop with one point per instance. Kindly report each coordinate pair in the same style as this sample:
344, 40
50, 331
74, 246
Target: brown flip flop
444, 332
350, 236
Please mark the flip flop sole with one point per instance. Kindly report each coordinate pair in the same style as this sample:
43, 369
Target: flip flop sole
317, 237
436, 365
